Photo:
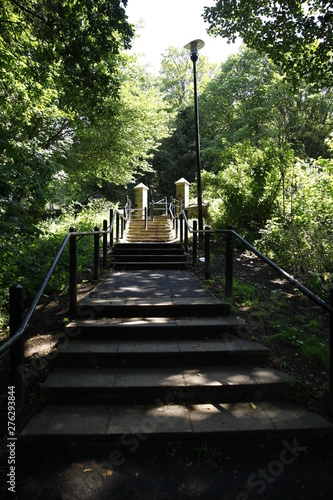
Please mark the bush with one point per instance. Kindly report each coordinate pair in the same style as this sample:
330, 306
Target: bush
26, 252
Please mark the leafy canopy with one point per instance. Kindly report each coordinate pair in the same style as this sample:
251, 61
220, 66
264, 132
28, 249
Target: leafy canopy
298, 35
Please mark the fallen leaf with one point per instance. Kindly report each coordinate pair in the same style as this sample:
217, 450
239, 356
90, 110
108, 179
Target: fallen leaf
253, 406
87, 470
107, 473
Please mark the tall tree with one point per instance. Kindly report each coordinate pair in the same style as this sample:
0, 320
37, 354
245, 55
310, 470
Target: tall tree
58, 62
298, 35
176, 76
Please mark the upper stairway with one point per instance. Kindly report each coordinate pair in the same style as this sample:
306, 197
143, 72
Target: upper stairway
158, 230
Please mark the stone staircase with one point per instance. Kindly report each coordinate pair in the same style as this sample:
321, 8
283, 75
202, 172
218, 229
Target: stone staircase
158, 230
151, 353
149, 256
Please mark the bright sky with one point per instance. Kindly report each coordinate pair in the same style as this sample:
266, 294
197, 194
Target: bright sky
173, 23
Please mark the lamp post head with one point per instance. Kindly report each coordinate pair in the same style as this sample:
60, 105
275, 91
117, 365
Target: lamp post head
194, 47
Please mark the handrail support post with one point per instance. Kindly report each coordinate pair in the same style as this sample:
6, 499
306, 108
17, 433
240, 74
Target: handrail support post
72, 271
117, 227
229, 263
105, 243
195, 242
207, 253
96, 254
186, 231
111, 227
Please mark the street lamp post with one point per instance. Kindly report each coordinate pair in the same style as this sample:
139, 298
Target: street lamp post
194, 47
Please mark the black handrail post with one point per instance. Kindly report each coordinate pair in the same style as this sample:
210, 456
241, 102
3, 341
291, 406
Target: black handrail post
229, 262
186, 231
330, 394
17, 350
207, 252
111, 227
72, 271
124, 224
105, 242
195, 242
117, 227
166, 205
152, 211
181, 228
146, 220
122, 227
96, 254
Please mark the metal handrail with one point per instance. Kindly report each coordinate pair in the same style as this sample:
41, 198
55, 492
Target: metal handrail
321, 303
8, 343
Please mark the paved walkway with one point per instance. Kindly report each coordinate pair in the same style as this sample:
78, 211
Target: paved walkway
158, 283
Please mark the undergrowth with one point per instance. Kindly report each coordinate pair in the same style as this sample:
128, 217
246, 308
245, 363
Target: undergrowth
26, 255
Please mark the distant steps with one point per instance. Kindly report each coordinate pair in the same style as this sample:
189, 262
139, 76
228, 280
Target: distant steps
134, 256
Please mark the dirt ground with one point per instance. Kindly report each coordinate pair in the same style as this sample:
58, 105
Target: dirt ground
292, 468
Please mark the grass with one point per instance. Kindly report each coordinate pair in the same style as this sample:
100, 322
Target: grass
272, 319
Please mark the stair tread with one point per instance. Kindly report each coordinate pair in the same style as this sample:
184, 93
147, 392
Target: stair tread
159, 322
111, 422
150, 378
104, 298
233, 345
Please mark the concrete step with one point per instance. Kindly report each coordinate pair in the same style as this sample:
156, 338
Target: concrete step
135, 353
150, 227
144, 385
64, 424
133, 257
130, 265
104, 305
165, 250
149, 246
157, 327
149, 237
153, 230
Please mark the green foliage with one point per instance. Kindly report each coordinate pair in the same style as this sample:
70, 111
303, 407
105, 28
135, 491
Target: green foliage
297, 35
311, 348
117, 147
176, 77
27, 252
302, 239
245, 188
